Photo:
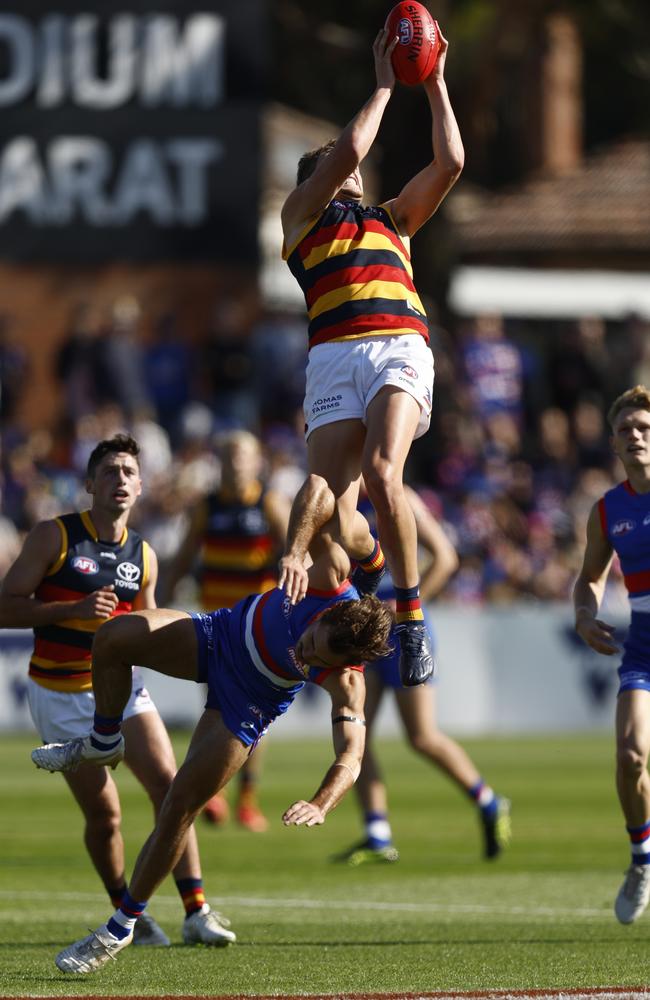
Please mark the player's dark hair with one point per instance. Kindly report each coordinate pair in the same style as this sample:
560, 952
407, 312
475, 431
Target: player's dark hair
638, 397
118, 443
359, 629
308, 161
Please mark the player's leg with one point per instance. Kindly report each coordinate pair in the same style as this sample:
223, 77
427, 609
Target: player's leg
633, 787
162, 640
393, 416
214, 756
97, 797
248, 811
334, 452
417, 708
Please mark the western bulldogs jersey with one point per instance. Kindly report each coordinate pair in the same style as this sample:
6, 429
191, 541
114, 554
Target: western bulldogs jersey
625, 521
61, 660
260, 633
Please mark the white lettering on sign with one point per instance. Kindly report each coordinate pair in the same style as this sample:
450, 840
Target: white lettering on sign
167, 181
154, 60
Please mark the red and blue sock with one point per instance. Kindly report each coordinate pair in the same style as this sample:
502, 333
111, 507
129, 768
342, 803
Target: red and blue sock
640, 843
485, 798
192, 894
408, 609
106, 732
123, 920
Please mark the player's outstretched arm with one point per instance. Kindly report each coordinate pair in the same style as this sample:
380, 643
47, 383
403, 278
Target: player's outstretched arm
350, 149
420, 198
347, 690
590, 586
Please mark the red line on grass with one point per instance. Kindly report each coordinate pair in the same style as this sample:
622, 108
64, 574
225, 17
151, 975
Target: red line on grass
623, 992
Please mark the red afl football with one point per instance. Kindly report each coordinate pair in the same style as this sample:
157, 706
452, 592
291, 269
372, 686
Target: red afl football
414, 56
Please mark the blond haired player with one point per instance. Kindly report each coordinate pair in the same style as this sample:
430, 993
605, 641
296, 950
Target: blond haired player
620, 523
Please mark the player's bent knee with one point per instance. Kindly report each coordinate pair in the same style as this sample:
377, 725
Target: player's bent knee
630, 761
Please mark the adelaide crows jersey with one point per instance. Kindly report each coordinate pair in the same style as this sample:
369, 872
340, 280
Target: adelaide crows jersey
61, 660
354, 269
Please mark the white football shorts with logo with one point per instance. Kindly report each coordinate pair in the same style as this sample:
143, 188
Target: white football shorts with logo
63, 715
344, 377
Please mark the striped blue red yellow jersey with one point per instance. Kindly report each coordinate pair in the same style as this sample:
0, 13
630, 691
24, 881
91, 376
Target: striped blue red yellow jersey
625, 521
238, 551
354, 269
61, 660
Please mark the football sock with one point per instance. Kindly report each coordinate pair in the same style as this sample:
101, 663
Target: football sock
378, 831
123, 920
192, 894
485, 798
117, 895
408, 609
105, 734
640, 843
374, 563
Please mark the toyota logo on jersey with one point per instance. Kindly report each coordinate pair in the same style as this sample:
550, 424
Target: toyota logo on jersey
85, 565
128, 572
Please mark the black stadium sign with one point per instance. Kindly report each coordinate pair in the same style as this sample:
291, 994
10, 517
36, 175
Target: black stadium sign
130, 131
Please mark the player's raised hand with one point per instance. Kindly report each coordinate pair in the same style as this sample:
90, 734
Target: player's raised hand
293, 578
100, 604
597, 634
382, 50
303, 813
439, 68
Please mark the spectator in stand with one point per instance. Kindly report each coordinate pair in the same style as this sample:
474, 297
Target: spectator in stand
579, 363
168, 365
14, 368
228, 366
493, 368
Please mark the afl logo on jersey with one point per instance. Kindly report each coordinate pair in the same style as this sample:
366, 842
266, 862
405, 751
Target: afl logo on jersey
85, 565
128, 572
409, 372
623, 527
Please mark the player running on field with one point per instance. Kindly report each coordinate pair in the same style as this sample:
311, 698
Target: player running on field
73, 574
620, 523
254, 658
238, 532
370, 370
417, 710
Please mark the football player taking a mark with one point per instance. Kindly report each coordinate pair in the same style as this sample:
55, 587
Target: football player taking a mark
620, 523
255, 658
370, 369
74, 573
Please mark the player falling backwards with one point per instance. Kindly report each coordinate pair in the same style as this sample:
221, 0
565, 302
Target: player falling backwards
370, 370
620, 523
254, 658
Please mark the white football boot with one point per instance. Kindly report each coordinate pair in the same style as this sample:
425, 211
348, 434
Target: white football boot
206, 926
92, 952
634, 894
147, 933
69, 755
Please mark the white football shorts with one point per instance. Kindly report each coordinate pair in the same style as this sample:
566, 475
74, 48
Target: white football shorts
345, 376
63, 715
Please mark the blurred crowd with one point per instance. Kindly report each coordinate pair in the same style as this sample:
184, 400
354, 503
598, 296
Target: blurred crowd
517, 452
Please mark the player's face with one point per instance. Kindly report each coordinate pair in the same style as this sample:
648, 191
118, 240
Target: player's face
241, 465
631, 437
116, 484
313, 648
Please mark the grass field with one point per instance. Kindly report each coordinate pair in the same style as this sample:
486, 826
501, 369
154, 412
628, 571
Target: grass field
440, 919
